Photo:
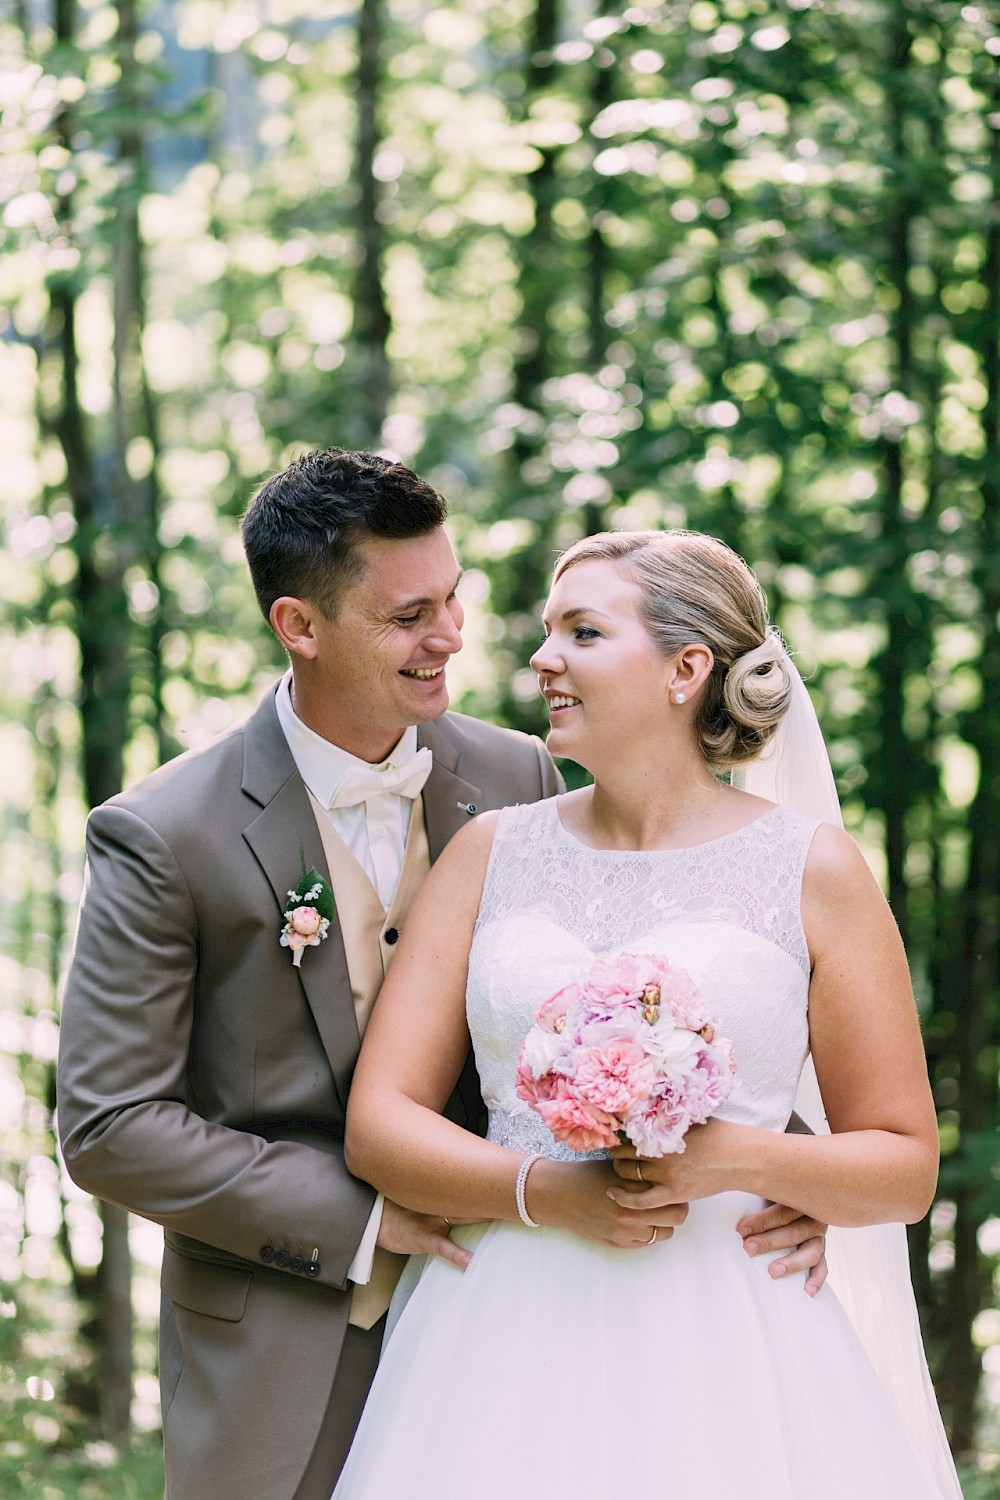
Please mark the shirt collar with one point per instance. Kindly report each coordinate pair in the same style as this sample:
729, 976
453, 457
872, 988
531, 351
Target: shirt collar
320, 762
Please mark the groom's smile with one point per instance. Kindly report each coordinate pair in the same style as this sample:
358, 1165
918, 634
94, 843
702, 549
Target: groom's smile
379, 664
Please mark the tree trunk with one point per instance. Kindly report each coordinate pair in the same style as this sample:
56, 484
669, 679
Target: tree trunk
135, 410
601, 95
975, 1001
103, 631
371, 315
895, 780
536, 278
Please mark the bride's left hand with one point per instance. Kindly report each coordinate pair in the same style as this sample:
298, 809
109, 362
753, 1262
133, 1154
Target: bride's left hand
700, 1171
703, 1168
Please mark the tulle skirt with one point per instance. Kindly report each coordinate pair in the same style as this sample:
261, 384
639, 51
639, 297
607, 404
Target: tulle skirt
681, 1372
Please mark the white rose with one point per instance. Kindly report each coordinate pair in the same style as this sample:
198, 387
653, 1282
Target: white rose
541, 1049
672, 1045
626, 1023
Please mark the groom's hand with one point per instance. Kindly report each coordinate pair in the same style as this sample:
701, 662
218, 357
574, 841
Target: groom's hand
779, 1228
408, 1233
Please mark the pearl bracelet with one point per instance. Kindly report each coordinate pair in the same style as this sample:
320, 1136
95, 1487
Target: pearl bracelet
522, 1178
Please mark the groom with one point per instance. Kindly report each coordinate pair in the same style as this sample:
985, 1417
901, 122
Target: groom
205, 1063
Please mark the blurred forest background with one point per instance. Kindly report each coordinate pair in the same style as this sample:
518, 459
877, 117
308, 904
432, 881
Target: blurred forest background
732, 264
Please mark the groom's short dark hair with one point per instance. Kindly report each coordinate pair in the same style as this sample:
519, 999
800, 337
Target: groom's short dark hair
302, 528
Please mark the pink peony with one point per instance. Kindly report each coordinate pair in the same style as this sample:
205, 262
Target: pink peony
625, 977
552, 1015
659, 1127
631, 1049
723, 1045
614, 1075
625, 1022
583, 1127
305, 921
533, 1090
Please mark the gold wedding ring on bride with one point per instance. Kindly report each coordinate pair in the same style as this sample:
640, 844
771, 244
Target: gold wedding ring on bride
638, 1174
652, 1237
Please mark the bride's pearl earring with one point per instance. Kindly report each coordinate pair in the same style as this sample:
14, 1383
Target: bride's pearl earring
680, 697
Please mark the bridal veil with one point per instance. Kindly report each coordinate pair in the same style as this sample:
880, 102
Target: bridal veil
869, 1268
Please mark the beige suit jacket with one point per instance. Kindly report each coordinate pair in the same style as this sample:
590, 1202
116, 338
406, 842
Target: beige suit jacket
203, 1080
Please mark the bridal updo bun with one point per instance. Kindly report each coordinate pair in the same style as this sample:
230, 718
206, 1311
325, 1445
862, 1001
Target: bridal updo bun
756, 692
696, 590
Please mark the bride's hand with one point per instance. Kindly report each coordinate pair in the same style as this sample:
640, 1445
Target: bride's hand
702, 1169
577, 1196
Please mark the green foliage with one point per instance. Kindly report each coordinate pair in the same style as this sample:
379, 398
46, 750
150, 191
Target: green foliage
49, 1449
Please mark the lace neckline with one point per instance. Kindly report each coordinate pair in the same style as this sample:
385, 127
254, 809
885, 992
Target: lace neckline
563, 832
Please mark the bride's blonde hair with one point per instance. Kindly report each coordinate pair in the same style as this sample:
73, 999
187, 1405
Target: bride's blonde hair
696, 590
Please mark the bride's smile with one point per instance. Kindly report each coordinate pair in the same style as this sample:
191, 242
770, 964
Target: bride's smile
598, 668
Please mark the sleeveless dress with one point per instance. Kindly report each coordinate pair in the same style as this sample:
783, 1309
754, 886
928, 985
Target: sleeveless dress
678, 1372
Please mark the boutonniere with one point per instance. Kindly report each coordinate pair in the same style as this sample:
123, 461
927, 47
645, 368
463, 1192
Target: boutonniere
308, 913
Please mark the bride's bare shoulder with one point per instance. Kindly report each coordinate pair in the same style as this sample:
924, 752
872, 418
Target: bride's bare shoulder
839, 891
834, 857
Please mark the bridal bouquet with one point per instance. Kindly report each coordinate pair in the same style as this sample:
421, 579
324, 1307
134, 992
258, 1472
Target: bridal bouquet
629, 1054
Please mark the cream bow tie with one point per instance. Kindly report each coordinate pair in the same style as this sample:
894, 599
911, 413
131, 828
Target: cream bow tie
361, 783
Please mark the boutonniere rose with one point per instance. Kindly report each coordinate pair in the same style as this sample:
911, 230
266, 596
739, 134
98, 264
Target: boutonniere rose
308, 913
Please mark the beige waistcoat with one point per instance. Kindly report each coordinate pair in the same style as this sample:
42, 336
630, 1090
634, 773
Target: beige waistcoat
364, 923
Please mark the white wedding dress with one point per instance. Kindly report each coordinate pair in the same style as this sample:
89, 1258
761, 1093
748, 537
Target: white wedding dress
681, 1372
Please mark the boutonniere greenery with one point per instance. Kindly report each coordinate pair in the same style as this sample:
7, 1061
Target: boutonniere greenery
308, 913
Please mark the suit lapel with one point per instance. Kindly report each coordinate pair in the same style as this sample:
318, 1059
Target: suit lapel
447, 796
285, 832
281, 836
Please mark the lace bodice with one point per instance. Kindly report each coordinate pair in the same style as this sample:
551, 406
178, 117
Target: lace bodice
728, 911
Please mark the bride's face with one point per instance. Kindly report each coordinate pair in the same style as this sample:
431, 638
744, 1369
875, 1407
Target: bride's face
605, 681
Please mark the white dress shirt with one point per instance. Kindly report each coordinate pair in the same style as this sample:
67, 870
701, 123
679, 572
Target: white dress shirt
322, 765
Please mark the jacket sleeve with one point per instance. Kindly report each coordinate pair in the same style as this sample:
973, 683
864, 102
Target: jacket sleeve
127, 1131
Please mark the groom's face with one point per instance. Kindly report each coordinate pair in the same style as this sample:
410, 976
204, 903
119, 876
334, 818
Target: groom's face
381, 661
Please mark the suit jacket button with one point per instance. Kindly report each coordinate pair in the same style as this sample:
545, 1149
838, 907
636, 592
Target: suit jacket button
281, 1259
296, 1264
266, 1253
392, 935
312, 1268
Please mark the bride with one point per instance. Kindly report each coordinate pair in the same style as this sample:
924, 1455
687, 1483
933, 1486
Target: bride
605, 1338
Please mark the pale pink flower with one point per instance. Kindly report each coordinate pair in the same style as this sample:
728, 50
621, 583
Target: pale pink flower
552, 1014
305, 921
582, 1126
723, 1045
532, 1088
659, 1128
624, 977
631, 1049
625, 1022
614, 1075
304, 928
